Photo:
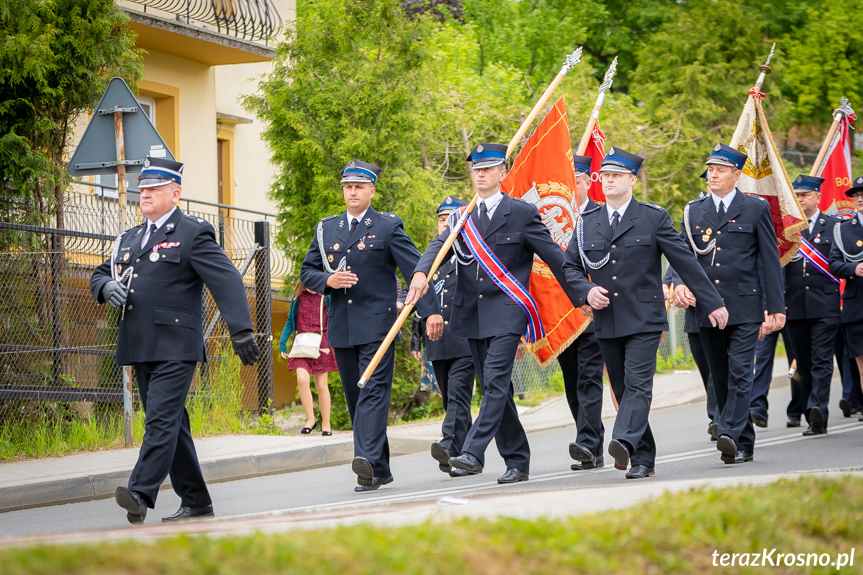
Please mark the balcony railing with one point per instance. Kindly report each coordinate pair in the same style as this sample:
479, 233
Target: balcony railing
247, 19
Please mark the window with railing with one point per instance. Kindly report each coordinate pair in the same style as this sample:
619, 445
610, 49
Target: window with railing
247, 19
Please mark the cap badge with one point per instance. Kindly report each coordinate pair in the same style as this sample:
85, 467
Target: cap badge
147, 162
859, 181
611, 151
799, 179
717, 148
479, 149
352, 165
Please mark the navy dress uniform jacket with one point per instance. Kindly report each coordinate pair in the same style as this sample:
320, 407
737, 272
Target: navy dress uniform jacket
809, 294
746, 250
164, 318
365, 312
852, 297
480, 309
449, 345
633, 273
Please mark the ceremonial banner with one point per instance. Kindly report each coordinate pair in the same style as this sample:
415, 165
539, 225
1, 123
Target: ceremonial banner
764, 175
836, 169
543, 175
596, 150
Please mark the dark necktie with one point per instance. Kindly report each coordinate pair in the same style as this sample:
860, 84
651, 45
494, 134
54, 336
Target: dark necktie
354, 223
721, 210
615, 219
149, 235
483, 215
809, 229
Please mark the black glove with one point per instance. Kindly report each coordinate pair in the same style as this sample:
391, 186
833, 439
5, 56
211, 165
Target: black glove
114, 294
246, 347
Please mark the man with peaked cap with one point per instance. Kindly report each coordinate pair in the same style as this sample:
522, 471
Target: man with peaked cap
812, 310
503, 234
615, 264
732, 237
354, 257
450, 356
581, 362
157, 276
846, 262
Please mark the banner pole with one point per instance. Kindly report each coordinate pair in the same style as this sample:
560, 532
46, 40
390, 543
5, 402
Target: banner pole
594, 115
838, 114
571, 61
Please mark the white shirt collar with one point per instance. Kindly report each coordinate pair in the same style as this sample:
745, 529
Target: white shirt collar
621, 210
814, 219
726, 200
359, 217
492, 202
161, 221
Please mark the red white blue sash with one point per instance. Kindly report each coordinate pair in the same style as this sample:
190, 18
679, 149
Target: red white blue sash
814, 257
502, 278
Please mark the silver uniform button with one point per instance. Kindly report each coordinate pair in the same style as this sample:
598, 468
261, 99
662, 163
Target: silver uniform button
350, 301
480, 296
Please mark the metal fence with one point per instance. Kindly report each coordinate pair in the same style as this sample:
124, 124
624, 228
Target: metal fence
248, 19
57, 345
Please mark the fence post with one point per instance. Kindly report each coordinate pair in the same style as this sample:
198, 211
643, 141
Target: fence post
263, 315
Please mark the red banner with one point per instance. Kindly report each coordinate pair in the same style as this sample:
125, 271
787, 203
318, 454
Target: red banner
596, 150
836, 170
543, 175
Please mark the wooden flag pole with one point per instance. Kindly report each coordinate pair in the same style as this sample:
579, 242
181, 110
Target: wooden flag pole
765, 69
594, 116
571, 61
838, 114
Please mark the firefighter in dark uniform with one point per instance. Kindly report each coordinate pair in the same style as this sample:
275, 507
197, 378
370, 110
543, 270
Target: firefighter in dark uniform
581, 362
353, 258
493, 322
846, 262
450, 357
812, 311
615, 264
156, 275
733, 238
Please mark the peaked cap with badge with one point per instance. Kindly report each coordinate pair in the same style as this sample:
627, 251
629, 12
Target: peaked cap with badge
618, 160
450, 204
486, 155
582, 165
856, 188
359, 171
159, 171
803, 183
727, 156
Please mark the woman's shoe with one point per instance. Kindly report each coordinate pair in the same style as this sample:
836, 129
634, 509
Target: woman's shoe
308, 430
326, 433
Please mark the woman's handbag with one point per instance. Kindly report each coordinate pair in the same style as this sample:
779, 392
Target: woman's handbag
308, 344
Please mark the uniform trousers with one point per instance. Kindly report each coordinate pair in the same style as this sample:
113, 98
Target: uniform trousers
697, 349
368, 407
814, 343
167, 448
851, 391
493, 358
581, 365
455, 378
631, 365
730, 353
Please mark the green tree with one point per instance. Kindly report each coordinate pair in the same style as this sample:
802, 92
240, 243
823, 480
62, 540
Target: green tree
56, 57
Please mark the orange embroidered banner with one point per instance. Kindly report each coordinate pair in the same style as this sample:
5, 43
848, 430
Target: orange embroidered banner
543, 175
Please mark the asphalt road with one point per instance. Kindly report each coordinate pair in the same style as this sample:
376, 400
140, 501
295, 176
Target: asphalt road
685, 452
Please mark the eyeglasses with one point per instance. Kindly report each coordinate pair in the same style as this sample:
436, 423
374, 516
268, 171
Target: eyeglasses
857, 195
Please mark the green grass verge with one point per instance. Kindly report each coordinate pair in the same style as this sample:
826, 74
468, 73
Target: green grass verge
676, 533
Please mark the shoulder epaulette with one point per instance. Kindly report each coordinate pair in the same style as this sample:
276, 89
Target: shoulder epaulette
698, 199
593, 209
654, 206
195, 219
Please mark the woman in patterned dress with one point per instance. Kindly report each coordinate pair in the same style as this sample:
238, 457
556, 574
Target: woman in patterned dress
305, 316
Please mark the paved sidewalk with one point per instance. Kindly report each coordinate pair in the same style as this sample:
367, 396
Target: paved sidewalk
96, 475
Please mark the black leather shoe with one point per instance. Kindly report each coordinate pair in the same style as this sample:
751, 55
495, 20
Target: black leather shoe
134, 504
441, 455
860, 418
308, 430
793, 422
512, 475
620, 453
364, 470
189, 514
466, 461
816, 417
739, 457
456, 472
582, 454
758, 419
711, 431
814, 430
598, 463
728, 447
640, 472
845, 406
374, 484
